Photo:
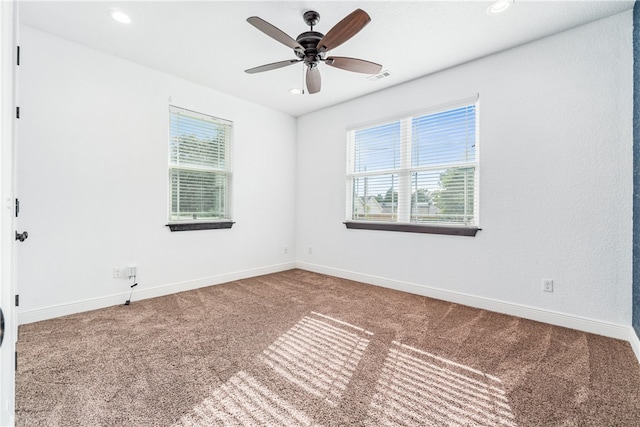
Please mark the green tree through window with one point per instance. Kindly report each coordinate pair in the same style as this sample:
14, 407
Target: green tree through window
455, 197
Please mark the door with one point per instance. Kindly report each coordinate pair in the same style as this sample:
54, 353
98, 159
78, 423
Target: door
8, 113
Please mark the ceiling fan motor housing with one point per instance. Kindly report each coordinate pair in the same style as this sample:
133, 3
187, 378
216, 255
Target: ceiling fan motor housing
309, 40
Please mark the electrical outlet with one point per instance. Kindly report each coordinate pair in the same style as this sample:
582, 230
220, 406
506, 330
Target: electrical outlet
286, 250
117, 273
310, 250
132, 270
547, 285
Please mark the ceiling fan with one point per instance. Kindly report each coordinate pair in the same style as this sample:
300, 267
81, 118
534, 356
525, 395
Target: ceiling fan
311, 47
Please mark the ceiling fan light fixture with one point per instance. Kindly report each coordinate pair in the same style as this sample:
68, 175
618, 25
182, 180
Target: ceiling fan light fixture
499, 6
119, 16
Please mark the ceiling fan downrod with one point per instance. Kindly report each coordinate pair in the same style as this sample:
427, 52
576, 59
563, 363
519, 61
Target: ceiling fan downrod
309, 41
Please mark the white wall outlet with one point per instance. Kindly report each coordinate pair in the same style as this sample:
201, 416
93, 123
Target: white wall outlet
547, 285
286, 250
131, 271
310, 250
117, 273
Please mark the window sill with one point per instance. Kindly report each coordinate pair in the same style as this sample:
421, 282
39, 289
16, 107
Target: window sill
414, 228
190, 226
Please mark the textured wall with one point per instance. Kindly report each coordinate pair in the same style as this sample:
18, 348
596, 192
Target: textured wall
555, 178
636, 168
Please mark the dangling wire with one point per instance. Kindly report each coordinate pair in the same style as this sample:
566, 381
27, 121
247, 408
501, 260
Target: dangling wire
135, 283
303, 82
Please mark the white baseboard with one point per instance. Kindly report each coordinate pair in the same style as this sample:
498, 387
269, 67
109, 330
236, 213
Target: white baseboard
607, 329
635, 343
30, 316
52, 311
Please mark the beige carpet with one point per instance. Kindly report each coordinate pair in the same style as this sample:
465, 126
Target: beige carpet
299, 348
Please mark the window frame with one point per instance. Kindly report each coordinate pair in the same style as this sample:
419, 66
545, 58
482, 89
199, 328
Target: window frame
403, 218
227, 171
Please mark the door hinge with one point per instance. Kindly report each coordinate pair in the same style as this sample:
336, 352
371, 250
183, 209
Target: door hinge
17, 300
17, 112
18, 56
17, 207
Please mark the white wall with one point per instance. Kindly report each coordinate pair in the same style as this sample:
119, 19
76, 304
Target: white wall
555, 181
93, 182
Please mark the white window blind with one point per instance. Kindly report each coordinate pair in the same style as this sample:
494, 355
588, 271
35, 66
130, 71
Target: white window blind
199, 166
417, 169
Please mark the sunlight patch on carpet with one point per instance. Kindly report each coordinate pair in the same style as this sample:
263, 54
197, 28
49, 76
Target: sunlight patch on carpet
243, 401
319, 354
417, 387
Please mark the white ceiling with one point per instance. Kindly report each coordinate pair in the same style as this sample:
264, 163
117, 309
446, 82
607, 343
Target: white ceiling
210, 42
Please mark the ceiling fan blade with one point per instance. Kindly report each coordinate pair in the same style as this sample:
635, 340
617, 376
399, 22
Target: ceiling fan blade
354, 64
274, 32
344, 30
272, 66
313, 80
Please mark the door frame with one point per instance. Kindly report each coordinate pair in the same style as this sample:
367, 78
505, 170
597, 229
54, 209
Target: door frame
8, 57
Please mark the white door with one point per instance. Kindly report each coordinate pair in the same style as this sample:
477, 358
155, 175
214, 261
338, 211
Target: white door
8, 69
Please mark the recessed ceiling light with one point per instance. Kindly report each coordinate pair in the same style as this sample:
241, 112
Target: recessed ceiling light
119, 16
295, 91
499, 6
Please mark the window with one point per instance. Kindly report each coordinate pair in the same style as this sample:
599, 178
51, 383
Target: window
417, 173
199, 170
